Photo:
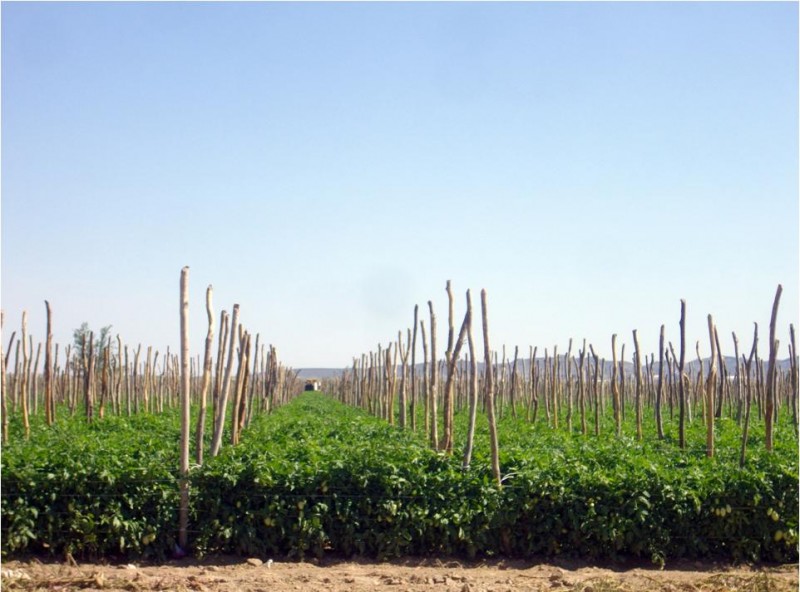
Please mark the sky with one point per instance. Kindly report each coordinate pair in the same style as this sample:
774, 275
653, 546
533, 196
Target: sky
328, 166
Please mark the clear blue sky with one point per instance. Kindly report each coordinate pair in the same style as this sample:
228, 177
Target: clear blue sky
330, 165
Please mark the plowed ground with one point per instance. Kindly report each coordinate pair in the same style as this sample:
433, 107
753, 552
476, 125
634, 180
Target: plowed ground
218, 574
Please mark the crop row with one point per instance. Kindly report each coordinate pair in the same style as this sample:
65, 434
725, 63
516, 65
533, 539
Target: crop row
319, 477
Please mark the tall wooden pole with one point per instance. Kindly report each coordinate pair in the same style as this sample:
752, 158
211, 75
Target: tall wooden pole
48, 371
432, 387
769, 407
660, 388
568, 378
201, 419
16, 379
241, 371
553, 386
489, 388
24, 379
3, 387
595, 393
425, 395
414, 370
403, 373
637, 361
615, 386
738, 378
118, 380
128, 386
253, 380
533, 369
723, 378
450, 328
226, 385
513, 391
450, 365
224, 321
473, 389
749, 393
390, 373
710, 386
581, 388
681, 389
241, 406
183, 515
793, 377
449, 435
622, 382
33, 379
104, 378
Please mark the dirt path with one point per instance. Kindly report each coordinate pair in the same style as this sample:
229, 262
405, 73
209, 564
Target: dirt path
236, 574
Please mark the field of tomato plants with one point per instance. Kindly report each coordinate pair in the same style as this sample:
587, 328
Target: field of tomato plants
317, 476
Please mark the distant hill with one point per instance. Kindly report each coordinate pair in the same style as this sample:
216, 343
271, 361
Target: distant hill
319, 372
522, 366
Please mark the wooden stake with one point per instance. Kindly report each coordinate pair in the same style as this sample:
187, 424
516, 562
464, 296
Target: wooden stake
183, 514
622, 382
434, 422
710, 386
534, 370
207, 364
568, 377
216, 441
513, 391
489, 387
660, 388
595, 394
769, 410
450, 368
723, 375
749, 393
473, 389
425, 394
581, 388
119, 374
390, 372
220, 367
9, 348
739, 405
637, 361
403, 365
794, 377
15, 379
239, 385
34, 378
553, 387
450, 328
147, 383
104, 379
449, 436
681, 390
614, 386
24, 378
241, 408
414, 370
253, 379
3, 395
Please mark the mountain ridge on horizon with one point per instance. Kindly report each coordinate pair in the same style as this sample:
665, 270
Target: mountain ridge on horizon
691, 366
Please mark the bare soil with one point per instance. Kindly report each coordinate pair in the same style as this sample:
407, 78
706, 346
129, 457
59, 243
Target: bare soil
418, 575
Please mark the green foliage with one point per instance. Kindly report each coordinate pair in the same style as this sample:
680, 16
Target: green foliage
105, 488
317, 477
81, 336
